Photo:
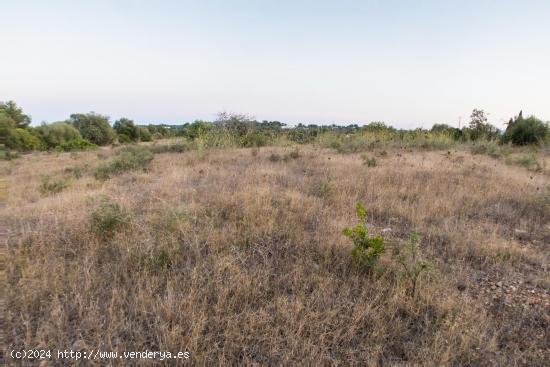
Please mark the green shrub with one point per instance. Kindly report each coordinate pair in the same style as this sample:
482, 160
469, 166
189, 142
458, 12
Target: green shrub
408, 256
108, 217
50, 186
144, 134
124, 139
128, 159
366, 250
76, 144
322, 189
526, 131
127, 129
22, 139
94, 127
58, 133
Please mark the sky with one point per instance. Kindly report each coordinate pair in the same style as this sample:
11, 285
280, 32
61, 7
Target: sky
408, 63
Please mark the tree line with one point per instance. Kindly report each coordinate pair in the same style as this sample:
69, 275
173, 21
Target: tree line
87, 130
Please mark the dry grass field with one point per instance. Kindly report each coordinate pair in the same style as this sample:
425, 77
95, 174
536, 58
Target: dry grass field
237, 256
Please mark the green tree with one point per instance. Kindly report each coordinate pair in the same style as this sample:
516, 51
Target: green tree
522, 131
14, 112
94, 127
479, 127
127, 127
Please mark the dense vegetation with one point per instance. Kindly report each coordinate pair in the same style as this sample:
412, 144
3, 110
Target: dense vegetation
83, 131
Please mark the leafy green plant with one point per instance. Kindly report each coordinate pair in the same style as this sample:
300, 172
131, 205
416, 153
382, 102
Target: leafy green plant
132, 158
108, 217
408, 256
366, 249
50, 186
75, 144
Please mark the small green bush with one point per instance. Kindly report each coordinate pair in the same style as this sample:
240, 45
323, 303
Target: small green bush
108, 217
322, 189
124, 139
50, 186
408, 256
366, 250
75, 144
132, 158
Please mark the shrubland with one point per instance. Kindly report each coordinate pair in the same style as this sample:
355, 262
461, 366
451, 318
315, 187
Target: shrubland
238, 255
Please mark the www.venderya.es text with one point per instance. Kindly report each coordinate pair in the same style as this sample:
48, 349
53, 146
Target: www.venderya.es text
94, 354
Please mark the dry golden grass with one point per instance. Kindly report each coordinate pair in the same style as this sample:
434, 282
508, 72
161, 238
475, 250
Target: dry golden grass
241, 260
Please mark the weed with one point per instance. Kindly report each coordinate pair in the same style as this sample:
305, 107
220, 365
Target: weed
408, 256
129, 159
366, 250
528, 161
322, 189
50, 186
76, 171
156, 260
108, 217
369, 161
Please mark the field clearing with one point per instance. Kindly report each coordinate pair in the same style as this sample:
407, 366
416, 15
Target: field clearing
238, 256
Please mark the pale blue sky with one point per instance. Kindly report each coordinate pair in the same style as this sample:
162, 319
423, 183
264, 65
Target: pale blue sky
409, 63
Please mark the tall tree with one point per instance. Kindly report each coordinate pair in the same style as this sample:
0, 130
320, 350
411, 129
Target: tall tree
13, 111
